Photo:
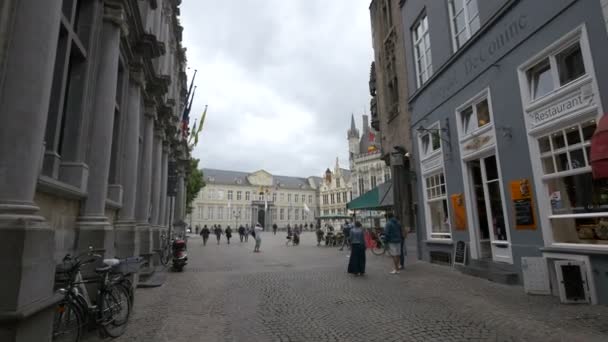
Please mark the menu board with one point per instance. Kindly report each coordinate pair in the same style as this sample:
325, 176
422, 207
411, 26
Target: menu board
523, 205
459, 211
460, 253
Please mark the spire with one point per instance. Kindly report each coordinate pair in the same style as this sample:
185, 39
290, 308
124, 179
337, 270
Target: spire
337, 164
352, 123
353, 132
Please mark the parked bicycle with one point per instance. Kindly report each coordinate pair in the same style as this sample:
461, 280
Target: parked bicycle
380, 246
164, 252
111, 308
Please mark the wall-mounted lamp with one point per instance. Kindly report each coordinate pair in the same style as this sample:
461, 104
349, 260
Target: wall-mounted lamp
439, 132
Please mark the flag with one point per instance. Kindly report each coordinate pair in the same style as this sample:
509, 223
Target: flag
200, 126
306, 208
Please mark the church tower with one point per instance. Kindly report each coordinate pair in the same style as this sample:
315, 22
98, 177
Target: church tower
353, 139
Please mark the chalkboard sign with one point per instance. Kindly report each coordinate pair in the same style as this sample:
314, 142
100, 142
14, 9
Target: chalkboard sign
460, 253
523, 212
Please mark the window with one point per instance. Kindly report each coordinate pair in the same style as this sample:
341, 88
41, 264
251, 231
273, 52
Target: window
238, 195
296, 198
422, 50
437, 206
310, 199
247, 196
430, 141
567, 149
475, 116
200, 213
361, 186
261, 196
464, 20
220, 213
282, 197
337, 182
297, 214
333, 199
373, 178
556, 71
387, 175
274, 196
338, 198
344, 199
211, 213
289, 198
282, 214
289, 214
230, 195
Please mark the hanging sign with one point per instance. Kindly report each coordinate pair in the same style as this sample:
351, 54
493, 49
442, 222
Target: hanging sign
459, 210
523, 205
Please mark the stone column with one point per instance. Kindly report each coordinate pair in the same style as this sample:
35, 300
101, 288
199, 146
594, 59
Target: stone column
163, 186
28, 45
145, 184
156, 183
93, 226
178, 219
127, 239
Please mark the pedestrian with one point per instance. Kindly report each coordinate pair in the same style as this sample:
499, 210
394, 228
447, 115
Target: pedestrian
319, 235
218, 233
197, 229
356, 263
274, 229
247, 232
205, 234
241, 232
289, 232
258, 237
393, 236
346, 231
228, 234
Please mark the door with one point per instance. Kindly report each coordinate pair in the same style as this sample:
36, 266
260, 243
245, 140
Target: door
489, 209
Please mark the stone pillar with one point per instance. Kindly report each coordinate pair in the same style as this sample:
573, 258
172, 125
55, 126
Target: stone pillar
156, 183
163, 186
28, 45
127, 239
93, 226
145, 184
180, 203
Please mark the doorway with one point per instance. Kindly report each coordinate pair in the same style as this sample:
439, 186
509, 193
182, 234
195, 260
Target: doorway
489, 210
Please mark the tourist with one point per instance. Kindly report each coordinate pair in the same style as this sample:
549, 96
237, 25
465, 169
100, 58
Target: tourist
205, 234
320, 234
218, 233
247, 232
241, 232
274, 229
346, 231
356, 263
258, 237
228, 234
393, 236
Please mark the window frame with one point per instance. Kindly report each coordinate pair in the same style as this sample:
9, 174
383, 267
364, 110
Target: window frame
442, 197
416, 42
436, 127
463, 134
467, 22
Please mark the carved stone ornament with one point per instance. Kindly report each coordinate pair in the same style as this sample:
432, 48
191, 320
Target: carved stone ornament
114, 12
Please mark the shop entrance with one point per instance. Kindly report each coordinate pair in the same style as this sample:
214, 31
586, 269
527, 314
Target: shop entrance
488, 210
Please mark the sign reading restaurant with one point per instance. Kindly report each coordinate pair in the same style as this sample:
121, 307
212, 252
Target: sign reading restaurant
579, 100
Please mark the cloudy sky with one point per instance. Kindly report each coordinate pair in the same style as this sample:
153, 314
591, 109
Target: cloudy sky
281, 78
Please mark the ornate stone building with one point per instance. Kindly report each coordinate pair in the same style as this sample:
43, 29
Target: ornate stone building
233, 198
91, 94
389, 109
334, 193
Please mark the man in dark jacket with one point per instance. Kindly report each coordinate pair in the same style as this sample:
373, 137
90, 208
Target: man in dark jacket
241, 233
393, 236
346, 231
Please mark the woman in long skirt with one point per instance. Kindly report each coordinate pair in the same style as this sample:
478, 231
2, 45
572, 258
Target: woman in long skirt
356, 263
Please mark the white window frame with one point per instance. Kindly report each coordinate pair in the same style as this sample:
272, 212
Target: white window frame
437, 198
422, 76
247, 196
435, 128
473, 102
579, 35
239, 195
230, 193
467, 22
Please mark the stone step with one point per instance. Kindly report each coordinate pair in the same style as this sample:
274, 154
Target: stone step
490, 271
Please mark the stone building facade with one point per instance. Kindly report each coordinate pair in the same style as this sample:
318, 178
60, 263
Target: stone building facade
504, 114
91, 94
389, 105
335, 192
233, 198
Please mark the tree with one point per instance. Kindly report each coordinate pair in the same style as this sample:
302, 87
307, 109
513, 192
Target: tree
195, 183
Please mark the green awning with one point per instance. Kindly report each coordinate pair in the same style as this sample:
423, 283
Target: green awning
333, 217
378, 198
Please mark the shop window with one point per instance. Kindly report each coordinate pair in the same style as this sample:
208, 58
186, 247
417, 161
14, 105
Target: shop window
464, 18
556, 71
567, 149
422, 50
437, 206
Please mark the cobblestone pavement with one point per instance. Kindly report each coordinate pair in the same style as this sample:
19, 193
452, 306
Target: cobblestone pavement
303, 293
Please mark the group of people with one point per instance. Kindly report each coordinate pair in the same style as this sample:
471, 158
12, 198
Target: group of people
244, 233
394, 236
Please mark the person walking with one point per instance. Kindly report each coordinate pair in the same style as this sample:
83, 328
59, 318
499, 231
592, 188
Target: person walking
346, 231
205, 234
228, 234
274, 229
258, 237
393, 236
247, 232
319, 235
241, 232
218, 233
356, 263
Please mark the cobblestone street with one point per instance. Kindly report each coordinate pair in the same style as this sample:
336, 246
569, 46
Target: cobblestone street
303, 293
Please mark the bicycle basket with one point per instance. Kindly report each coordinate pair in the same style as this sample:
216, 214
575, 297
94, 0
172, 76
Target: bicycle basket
63, 274
129, 265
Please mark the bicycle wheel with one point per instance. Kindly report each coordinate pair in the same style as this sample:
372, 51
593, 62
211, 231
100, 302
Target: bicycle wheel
68, 322
378, 248
114, 311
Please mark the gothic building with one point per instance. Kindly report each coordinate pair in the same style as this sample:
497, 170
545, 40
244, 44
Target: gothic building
91, 94
335, 192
